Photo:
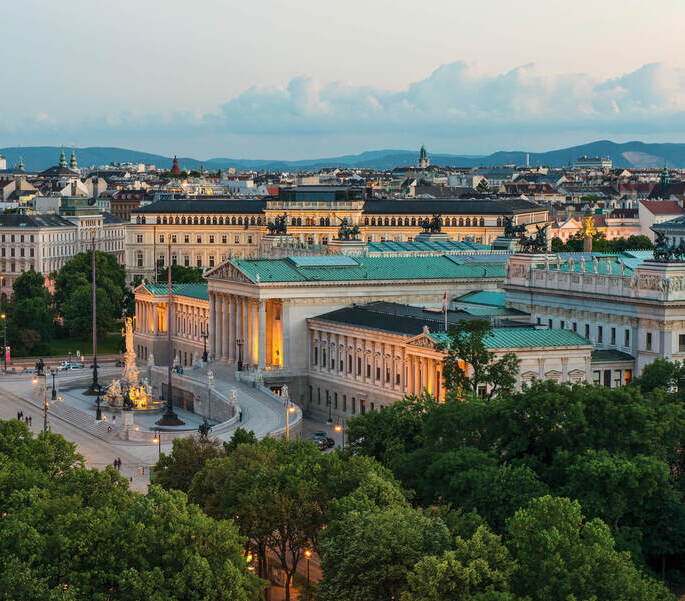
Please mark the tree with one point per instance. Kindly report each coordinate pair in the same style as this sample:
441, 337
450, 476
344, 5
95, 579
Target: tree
188, 456
479, 568
72, 281
30, 285
369, 552
181, 274
240, 436
72, 533
274, 491
78, 312
482, 187
559, 555
661, 373
469, 365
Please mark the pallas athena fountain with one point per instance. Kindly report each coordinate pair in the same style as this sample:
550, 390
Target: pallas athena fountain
128, 392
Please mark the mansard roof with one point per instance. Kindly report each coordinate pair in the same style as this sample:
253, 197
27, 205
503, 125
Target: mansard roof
451, 206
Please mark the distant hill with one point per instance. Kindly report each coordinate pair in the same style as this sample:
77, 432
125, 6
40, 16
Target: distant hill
630, 154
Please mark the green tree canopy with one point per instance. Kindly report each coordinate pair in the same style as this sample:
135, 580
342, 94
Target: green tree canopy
181, 274
470, 366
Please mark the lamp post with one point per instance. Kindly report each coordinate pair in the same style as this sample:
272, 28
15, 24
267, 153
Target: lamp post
95, 388
53, 371
204, 335
340, 427
329, 421
158, 440
4, 339
98, 409
239, 342
210, 379
45, 398
308, 555
289, 409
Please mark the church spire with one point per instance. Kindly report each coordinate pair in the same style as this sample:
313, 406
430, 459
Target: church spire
20, 166
62, 159
175, 169
72, 161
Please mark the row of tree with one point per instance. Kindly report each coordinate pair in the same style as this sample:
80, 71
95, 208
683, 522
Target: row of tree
601, 244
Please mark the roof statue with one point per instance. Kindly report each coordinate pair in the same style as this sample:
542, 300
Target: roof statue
279, 226
535, 244
346, 231
511, 230
588, 230
432, 225
664, 252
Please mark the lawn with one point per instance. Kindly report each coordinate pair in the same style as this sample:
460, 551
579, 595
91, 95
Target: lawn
107, 345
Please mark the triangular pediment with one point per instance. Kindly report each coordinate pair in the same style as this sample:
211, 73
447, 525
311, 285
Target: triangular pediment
423, 340
227, 271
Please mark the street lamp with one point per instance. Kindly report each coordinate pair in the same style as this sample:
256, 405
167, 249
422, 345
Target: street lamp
45, 397
239, 342
210, 379
158, 440
289, 409
204, 335
53, 371
308, 555
98, 409
340, 427
4, 339
329, 421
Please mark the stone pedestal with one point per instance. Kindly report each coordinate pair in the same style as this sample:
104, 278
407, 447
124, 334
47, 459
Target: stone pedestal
502, 243
587, 245
352, 248
271, 245
432, 237
127, 419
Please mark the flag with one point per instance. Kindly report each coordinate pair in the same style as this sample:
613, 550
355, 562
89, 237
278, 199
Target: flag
444, 302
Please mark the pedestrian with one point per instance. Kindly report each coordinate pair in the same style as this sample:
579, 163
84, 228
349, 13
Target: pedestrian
30, 421
109, 429
119, 462
240, 416
114, 417
114, 463
26, 419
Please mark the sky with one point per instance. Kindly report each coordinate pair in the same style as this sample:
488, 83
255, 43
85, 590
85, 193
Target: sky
311, 78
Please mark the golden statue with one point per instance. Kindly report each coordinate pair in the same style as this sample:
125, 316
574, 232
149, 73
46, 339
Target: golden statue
588, 229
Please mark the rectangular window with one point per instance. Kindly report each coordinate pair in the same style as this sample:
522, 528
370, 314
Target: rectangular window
21, 254
186, 261
199, 239
224, 238
539, 321
237, 240
587, 331
387, 375
349, 364
648, 341
344, 403
378, 373
211, 260
173, 241
161, 238
341, 365
199, 262
368, 370
627, 376
354, 405
550, 324
316, 355
600, 334
562, 324
33, 254
249, 239
332, 362
139, 240
613, 336
575, 326
21, 239
373, 406
359, 366
335, 400
174, 261
681, 343
186, 239
211, 239
323, 357
318, 395
139, 260
626, 338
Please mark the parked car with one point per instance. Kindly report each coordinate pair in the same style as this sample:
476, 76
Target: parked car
76, 366
28, 370
330, 443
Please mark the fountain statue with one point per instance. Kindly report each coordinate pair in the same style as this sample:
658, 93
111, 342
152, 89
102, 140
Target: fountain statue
128, 392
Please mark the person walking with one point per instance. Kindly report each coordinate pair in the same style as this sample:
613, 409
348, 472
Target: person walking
30, 422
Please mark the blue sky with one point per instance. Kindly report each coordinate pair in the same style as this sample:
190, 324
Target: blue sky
306, 78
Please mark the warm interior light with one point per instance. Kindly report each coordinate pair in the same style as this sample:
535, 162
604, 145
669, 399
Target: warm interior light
291, 409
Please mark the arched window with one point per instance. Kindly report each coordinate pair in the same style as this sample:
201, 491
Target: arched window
454, 222
468, 222
413, 220
252, 221
481, 222
392, 221
138, 219
143, 220
214, 221
240, 220
322, 221
202, 220
183, 220
221, 220
164, 220
293, 221
366, 221
373, 221
233, 220
406, 221
499, 222
387, 221
461, 221
195, 220
328, 221
299, 221
177, 221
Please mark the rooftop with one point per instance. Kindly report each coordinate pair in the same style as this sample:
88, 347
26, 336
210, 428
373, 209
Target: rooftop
484, 297
602, 355
421, 246
334, 269
204, 205
198, 291
37, 221
515, 338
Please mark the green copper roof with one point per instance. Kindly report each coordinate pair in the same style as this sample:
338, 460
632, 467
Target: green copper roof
365, 268
425, 246
602, 355
504, 338
484, 297
198, 291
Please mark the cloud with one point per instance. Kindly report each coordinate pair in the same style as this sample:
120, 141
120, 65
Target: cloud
458, 97
458, 103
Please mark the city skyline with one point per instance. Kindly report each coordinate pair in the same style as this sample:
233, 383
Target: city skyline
263, 82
